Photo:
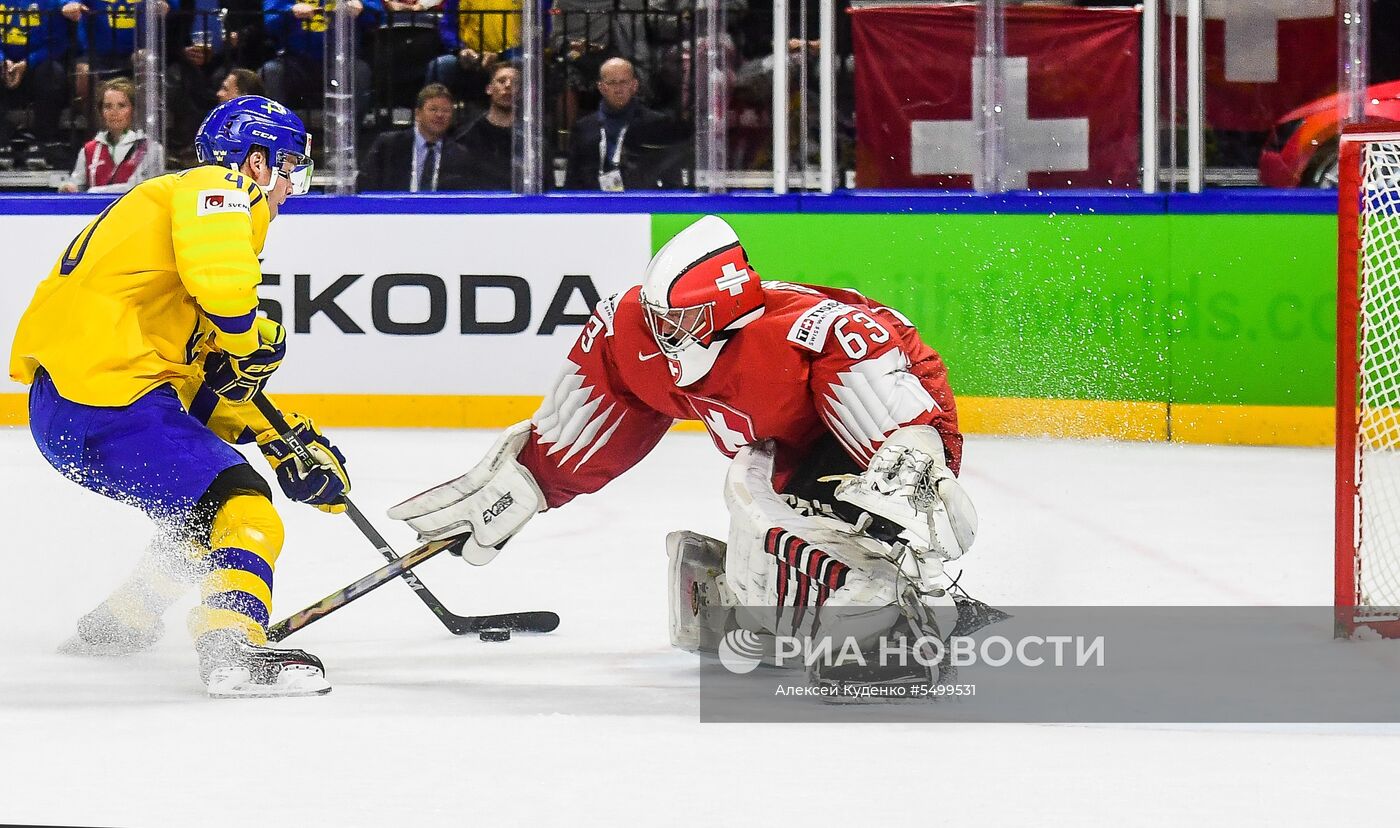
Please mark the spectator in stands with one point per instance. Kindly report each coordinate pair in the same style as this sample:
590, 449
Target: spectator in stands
120, 157
32, 47
476, 33
418, 159
294, 76
247, 41
600, 142
588, 32
607, 27
196, 62
237, 83
108, 36
489, 139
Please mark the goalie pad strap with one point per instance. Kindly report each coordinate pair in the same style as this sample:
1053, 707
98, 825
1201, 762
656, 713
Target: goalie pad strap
804, 568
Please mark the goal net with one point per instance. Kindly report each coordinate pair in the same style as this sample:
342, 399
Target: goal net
1367, 591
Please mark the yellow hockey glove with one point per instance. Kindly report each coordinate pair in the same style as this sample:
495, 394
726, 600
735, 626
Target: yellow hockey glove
323, 485
240, 378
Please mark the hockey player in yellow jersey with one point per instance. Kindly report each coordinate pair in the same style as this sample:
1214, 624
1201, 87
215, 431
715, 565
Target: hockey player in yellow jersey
144, 349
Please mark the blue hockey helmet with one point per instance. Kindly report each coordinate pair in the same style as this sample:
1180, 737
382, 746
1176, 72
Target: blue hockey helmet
233, 128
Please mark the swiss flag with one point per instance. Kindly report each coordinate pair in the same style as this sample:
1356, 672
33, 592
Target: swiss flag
730, 428
1262, 58
1073, 96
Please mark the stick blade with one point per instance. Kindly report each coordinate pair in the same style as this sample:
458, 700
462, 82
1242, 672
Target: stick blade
537, 621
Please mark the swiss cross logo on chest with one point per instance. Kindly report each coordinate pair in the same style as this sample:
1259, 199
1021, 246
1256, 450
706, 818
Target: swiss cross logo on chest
730, 428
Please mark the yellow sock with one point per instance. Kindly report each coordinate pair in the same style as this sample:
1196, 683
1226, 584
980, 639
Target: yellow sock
237, 588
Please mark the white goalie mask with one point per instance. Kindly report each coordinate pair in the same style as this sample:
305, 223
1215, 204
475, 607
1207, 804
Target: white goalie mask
698, 291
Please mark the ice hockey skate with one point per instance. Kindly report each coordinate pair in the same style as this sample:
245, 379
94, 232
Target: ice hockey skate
233, 668
100, 633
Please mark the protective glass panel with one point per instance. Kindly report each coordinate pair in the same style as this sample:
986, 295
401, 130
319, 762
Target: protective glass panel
618, 93
745, 46
110, 38
806, 86
200, 52
1062, 126
72, 114
444, 111
1269, 68
996, 96
915, 101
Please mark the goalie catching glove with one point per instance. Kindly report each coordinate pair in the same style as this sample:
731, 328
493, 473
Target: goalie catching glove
323, 485
491, 502
239, 378
908, 482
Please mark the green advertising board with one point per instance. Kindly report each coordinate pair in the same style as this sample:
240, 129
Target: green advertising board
1217, 328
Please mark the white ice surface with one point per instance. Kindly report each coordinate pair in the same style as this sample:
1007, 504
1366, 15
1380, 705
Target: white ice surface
597, 723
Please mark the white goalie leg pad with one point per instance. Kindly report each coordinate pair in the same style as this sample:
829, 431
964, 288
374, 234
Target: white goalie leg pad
908, 482
778, 558
492, 501
700, 599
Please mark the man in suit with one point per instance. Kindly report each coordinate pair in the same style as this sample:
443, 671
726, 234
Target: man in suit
418, 159
608, 148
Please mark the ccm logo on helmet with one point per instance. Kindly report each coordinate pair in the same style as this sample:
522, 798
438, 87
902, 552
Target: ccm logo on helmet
497, 508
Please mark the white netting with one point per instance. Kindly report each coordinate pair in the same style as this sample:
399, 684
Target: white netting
1378, 380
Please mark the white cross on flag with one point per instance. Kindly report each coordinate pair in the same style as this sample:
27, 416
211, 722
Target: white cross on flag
1042, 144
1262, 58
1064, 126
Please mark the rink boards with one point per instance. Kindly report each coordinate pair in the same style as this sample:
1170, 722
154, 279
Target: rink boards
1193, 318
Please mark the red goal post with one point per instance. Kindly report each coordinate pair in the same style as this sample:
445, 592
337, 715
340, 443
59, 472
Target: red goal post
1367, 593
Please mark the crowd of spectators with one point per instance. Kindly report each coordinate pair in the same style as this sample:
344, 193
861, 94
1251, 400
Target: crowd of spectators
618, 76
613, 119
61, 57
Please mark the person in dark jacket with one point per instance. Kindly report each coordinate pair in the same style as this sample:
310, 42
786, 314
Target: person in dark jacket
614, 149
294, 77
418, 159
489, 140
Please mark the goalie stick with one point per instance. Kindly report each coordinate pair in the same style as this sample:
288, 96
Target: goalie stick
540, 622
537, 621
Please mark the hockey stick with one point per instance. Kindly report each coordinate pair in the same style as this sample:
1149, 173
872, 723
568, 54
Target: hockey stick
538, 621
395, 569
519, 621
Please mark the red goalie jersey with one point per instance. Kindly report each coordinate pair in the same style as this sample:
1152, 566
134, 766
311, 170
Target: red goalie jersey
814, 362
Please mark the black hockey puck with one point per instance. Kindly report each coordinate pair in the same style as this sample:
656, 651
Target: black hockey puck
494, 634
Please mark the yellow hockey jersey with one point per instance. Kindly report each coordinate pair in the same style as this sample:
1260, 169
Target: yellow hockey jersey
165, 272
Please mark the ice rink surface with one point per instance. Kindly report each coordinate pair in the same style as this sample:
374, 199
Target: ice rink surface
597, 723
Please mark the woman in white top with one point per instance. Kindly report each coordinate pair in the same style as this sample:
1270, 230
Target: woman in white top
119, 157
